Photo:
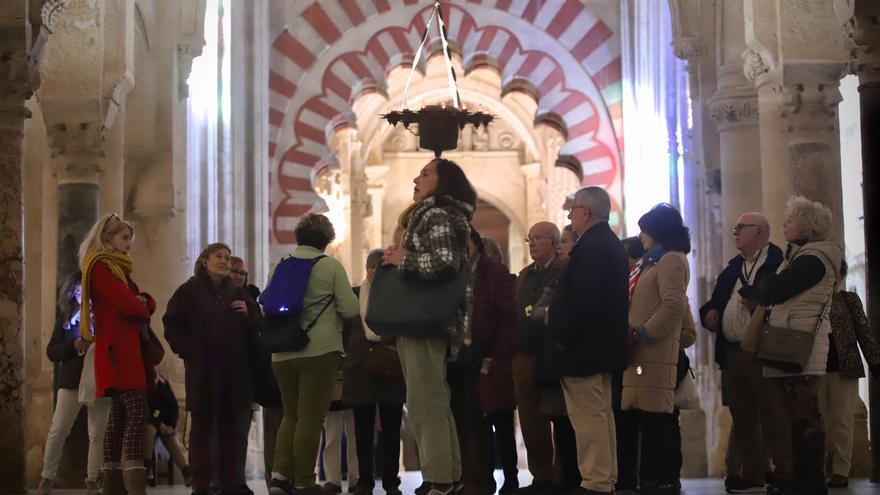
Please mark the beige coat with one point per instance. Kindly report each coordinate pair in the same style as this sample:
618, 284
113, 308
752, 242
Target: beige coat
658, 304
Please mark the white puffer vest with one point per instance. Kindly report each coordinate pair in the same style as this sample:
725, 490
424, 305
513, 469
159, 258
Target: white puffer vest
802, 311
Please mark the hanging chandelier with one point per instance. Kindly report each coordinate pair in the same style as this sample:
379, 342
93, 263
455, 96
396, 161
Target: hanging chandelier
437, 125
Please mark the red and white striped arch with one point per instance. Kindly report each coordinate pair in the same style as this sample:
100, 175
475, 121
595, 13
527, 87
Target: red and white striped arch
336, 50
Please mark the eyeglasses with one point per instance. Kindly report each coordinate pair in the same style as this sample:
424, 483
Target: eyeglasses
571, 209
535, 238
738, 227
239, 272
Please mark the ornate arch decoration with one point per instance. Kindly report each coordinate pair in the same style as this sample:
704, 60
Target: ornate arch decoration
334, 51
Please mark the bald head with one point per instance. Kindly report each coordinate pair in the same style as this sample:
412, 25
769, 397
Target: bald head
751, 233
543, 239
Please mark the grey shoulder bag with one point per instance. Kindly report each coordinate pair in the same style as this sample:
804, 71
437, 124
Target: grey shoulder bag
787, 349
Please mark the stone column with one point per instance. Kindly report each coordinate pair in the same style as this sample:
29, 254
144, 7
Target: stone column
376, 185
734, 110
76, 151
866, 37
14, 89
775, 181
810, 123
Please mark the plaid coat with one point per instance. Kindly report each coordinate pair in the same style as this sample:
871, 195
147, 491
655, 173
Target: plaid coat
436, 242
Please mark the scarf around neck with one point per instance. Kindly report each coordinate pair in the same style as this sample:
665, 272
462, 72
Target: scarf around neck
120, 265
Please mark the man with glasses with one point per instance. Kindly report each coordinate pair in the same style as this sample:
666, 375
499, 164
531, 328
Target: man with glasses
239, 275
534, 280
588, 319
727, 314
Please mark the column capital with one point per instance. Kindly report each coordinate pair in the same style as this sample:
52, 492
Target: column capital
809, 110
864, 37
756, 67
76, 151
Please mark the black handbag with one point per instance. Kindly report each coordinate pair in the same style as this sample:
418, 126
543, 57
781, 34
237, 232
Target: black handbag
283, 333
410, 307
787, 349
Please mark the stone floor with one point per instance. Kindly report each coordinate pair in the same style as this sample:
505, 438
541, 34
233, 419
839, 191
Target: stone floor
413, 479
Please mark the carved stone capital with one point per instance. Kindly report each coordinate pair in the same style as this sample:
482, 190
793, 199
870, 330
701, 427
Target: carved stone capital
755, 66
809, 111
76, 151
729, 110
713, 180
186, 53
688, 48
864, 37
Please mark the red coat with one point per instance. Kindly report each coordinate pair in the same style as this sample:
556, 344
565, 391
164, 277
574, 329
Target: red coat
494, 324
119, 315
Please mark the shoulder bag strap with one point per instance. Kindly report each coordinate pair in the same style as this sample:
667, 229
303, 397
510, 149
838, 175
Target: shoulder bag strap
329, 298
824, 313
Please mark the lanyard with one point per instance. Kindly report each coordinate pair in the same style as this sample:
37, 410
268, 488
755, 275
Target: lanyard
746, 276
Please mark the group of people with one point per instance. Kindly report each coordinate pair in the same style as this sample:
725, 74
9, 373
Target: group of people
586, 343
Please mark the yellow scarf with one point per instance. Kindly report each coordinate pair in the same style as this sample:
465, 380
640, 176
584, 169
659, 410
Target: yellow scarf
403, 220
119, 264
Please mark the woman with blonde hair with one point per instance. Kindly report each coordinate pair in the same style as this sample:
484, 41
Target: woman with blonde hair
799, 297
209, 323
121, 315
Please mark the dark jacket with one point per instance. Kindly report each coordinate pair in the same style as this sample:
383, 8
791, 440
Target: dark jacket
211, 338
588, 315
164, 408
724, 290
61, 351
359, 387
493, 325
529, 288
849, 332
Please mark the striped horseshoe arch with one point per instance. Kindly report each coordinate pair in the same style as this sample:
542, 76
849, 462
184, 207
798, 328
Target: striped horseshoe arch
330, 52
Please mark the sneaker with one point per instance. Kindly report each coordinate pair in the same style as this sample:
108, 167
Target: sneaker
92, 488
332, 488
536, 488
45, 486
838, 481
510, 486
741, 485
280, 487
441, 489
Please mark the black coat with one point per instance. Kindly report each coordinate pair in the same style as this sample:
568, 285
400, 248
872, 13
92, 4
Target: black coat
62, 352
358, 386
588, 315
724, 289
213, 341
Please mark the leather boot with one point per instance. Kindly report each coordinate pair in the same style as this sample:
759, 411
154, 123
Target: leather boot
113, 484
135, 477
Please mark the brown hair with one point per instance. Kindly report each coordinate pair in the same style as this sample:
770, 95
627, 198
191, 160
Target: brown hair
203, 256
314, 230
67, 304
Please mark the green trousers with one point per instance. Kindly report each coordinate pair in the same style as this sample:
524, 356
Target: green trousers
306, 386
427, 403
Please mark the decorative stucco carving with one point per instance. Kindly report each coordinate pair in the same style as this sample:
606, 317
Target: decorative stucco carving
754, 65
49, 15
729, 111
810, 110
688, 48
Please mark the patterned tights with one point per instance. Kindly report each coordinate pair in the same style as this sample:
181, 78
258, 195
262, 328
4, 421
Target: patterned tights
126, 426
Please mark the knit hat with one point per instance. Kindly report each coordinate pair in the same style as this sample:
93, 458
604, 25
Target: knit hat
664, 224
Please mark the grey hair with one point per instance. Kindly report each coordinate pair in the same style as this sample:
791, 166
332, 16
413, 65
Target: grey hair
375, 258
812, 217
596, 200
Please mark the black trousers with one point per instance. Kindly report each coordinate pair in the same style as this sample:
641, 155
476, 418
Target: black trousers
390, 416
648, 449
501, 428
569, 475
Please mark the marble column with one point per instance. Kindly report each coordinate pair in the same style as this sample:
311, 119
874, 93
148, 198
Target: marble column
14, 89
734, 111
76, 152
866, 39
